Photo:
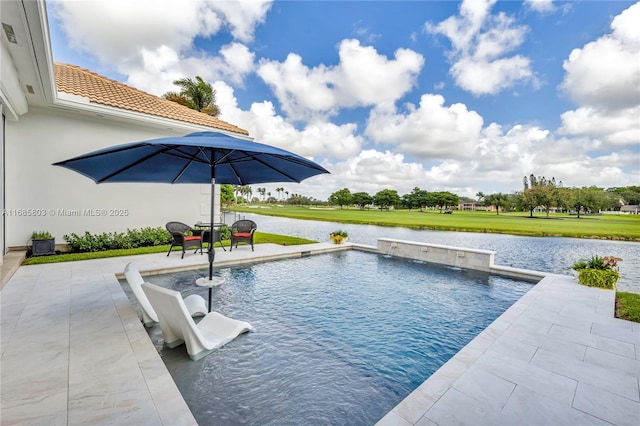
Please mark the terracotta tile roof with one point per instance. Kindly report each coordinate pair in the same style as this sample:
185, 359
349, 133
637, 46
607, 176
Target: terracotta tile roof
74, 80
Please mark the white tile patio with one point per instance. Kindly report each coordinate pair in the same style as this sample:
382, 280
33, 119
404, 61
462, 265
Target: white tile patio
556, 357
73, 351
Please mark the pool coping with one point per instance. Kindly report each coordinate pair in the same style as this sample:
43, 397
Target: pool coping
51, 375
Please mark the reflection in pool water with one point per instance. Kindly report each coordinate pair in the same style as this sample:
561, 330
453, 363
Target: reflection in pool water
340, 338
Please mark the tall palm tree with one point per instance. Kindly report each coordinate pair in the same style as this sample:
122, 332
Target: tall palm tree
236, 191
197, 95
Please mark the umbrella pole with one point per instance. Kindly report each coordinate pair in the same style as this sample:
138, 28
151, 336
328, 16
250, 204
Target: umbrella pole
211, 253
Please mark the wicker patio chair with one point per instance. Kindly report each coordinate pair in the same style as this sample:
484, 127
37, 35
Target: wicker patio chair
242, 231
178, 237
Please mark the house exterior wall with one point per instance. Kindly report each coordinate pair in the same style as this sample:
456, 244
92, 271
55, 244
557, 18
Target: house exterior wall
43, 197
2, 239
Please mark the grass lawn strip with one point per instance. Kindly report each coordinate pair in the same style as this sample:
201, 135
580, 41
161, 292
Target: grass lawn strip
610, 227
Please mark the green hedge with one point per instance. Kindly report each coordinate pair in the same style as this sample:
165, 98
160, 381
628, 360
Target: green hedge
598, 278
133, 238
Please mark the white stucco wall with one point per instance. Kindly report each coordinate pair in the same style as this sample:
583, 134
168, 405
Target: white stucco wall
2, 239
40, 196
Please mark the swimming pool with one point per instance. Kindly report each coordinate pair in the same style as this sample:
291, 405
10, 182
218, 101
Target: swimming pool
340, 338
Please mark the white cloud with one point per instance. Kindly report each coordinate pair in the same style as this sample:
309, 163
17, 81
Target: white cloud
444, 147
540, 6
320, 138
158, 49
242, 16
605, 73
361, 78
372, 171
480, 44
429, 131
618, 128
603, 78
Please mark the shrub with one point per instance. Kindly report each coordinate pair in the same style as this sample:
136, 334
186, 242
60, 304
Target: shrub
601, 272
41, 235
598, 278
144, 237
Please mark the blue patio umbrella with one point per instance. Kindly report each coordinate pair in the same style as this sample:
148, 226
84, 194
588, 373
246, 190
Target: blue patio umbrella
201, 157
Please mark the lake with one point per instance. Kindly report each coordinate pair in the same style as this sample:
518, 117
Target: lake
547, 254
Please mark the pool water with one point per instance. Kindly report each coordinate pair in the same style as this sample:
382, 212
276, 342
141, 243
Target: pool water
340, 338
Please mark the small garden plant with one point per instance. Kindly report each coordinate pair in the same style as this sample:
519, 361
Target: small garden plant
601, 272
337, 237
41, 235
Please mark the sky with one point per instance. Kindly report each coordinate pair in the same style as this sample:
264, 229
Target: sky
464, 97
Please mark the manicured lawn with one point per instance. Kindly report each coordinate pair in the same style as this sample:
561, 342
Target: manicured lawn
628, 306
259, 238
616, 227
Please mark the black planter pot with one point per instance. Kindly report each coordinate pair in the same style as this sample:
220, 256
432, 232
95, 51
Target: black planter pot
43, 247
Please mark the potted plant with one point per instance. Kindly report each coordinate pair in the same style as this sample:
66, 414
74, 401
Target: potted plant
598, 271
338, 237
42, 243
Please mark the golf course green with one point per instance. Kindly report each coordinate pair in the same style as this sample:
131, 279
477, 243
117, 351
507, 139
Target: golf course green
622, 227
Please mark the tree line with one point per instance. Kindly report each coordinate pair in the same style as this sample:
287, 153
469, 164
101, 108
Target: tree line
541, 193
389, 198
538, 193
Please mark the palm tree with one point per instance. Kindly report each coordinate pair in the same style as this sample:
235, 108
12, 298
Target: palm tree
262, 191
197, 95
236, 191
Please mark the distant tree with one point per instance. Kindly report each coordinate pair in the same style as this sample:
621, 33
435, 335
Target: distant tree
262, 192
386, 198
299, 200
444, 199
498, 200
625, 195
236, 192
195, 94
247, 192
589, 199
226, 194
538, 192
361, 199
418, 198
341, 198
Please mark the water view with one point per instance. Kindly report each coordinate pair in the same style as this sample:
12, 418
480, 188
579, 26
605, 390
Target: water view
548, 254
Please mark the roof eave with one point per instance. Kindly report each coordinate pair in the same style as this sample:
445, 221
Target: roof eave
81, 105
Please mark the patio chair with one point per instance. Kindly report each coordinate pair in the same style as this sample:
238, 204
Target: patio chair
196, 305
212, 332
178, 237
242, 231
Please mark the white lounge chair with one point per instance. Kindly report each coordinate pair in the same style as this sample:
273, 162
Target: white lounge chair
196, 305
212, 332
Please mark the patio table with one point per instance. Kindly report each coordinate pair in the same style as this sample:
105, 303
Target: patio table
206, 227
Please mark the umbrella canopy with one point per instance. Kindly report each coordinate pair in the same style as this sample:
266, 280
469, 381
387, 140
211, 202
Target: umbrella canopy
201, 157
194, 158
